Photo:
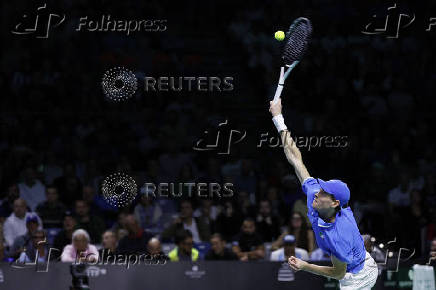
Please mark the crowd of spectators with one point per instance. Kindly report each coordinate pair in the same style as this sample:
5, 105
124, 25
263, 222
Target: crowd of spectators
59, 138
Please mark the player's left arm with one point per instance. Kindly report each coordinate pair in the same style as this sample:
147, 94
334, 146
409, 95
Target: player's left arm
337, 271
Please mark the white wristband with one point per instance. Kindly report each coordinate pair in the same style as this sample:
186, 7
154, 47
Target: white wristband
279, 122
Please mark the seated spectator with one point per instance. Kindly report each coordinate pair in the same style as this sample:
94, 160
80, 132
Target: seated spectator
207, 213
154, 249
319, 255
52, 210
149, 214
80, 250
136, 240
64, 237
93, 224
15, 224
31, 189
299, 229
24, 241
218, 249
248, 244
432, 253
184, 251
36, 249
119, 227
267, 225
109, 243
289, 249
69, 185
199, 230
7, 204
228, 222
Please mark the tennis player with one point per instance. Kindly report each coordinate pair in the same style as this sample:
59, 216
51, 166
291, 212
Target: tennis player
332, 221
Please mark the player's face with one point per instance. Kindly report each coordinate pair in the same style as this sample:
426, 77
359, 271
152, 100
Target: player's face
322, 201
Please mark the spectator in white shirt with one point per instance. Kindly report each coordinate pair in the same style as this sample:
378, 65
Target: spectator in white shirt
15, 224
31, 189
289, 250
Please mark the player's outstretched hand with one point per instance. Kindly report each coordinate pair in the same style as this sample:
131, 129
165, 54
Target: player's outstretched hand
275, 108
296, 264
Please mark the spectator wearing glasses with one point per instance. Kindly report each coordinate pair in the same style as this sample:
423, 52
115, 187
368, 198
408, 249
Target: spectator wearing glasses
184, 251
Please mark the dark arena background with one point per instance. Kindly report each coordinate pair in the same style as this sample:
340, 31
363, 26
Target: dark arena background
137, 147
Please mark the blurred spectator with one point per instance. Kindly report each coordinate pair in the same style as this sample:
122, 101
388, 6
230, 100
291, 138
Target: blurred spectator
109, 245
319, 255
288, 250
2, 243
68, 185
218, 250
119, 228
432, 253
51, 169
81, 250
7, 203
136, 240
154, 249
207, 213
228, 222
15, 224
399, 197
64, 237
36, 249
267, 225
199, 230
300, 230
52, 210
149, 214
370, 247
413, 222
31, 189
24, 241
246, 179
248, 244
93, 224
184, 251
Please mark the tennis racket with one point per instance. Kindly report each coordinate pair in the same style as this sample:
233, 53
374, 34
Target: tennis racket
297, 41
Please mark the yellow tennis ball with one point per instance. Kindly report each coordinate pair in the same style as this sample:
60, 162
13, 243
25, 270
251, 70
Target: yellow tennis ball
279, 35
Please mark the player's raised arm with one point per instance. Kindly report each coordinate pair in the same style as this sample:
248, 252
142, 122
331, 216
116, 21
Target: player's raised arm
292, 152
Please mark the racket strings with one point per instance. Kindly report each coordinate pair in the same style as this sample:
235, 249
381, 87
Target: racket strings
298, 37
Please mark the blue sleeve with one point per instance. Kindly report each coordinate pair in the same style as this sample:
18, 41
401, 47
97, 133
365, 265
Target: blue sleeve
310, 187
343, 251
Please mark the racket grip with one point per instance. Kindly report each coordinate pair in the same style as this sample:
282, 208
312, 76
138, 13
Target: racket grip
278, 93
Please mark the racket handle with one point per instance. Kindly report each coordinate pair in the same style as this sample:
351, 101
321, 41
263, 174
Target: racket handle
278, 93
280, 85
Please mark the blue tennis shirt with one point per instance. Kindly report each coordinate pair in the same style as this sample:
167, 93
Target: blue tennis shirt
341, 238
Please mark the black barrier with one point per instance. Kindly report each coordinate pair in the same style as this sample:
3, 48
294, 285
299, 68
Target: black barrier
219, 275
